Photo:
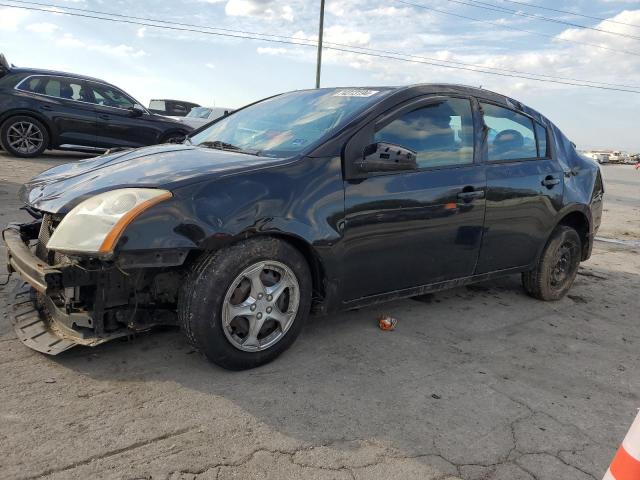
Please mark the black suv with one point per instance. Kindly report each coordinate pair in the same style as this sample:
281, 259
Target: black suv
41, 109
330, 198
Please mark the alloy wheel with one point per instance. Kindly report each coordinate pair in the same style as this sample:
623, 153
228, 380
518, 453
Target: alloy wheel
260, 306
25, 137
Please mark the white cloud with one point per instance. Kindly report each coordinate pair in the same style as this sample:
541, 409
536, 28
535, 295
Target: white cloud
336, 8
287, 13
266, 9
68, 40
42, 27
245, 8
118, 51
271, 51
141, 32
340, 34
121, 51
210, 65
10, 18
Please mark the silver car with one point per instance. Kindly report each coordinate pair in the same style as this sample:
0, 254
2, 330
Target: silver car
199, 116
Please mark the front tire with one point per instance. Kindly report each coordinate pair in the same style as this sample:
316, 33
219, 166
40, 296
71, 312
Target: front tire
557, 268
244, 305
23, 136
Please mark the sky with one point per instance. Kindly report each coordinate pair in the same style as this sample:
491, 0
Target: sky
150, 62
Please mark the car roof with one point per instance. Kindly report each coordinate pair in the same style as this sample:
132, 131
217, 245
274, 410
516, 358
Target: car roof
447, 88
433, 88
481, 93
171, 100
40, 71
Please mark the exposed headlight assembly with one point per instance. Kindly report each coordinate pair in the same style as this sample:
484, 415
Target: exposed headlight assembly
95, 225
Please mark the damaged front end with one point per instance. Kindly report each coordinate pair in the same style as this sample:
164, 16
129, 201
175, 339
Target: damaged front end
67, 300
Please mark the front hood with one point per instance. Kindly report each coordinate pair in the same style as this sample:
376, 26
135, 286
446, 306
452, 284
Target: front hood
162, 166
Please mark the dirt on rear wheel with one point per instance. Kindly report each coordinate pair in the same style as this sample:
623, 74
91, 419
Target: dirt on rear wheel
557, 268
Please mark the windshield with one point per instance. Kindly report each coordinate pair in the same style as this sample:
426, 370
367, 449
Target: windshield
285, 125
199, 112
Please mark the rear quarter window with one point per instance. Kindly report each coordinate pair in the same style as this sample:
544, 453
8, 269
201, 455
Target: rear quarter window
543, 143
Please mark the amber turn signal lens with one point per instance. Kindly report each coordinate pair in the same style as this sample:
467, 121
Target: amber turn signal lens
111, 239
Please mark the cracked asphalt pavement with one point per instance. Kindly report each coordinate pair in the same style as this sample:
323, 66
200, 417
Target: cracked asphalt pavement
475, 383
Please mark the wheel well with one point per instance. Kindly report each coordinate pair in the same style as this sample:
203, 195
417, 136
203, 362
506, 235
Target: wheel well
579, 222
315, 266
30, 114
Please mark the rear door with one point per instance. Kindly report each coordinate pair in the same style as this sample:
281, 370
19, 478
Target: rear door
411, 228
117, 126
64, 100
524, 188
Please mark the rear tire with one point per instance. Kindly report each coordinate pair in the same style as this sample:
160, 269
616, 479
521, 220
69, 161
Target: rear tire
557, 267
23, 136
243, 289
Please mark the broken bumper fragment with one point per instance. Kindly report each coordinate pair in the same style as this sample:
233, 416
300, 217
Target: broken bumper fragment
42, 316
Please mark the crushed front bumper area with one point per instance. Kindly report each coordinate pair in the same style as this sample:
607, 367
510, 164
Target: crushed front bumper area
62, 303
42, 331
21, 259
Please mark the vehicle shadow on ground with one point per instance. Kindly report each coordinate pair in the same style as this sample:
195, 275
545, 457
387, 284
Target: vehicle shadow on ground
475, 375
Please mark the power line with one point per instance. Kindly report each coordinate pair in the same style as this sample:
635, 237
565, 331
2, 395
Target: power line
497, 8
510, 27
147, 19
540, 7
397, 57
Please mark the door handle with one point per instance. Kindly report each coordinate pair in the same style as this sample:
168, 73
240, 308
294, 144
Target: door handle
46, 107
468, 196
550, 181
103, 116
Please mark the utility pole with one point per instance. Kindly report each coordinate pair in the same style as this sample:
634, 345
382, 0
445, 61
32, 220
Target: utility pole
321, 30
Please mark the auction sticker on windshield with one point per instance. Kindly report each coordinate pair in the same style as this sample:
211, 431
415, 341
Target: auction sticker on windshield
356, 92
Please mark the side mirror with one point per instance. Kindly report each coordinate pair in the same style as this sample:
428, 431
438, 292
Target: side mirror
136, 111
386, 157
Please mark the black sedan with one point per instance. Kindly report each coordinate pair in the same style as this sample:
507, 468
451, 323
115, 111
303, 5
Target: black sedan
320, 200
40, 109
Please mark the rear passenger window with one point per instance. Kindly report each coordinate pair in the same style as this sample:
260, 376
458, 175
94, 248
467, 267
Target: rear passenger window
510, 134
441, 134
59, 87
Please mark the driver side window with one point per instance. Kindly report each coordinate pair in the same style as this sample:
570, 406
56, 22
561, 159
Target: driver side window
110, 97
441, 133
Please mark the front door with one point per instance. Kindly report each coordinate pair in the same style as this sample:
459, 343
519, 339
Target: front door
524, 189
412, 228
117, 126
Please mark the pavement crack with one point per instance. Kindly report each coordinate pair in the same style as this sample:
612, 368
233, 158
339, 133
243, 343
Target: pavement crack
111, 453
